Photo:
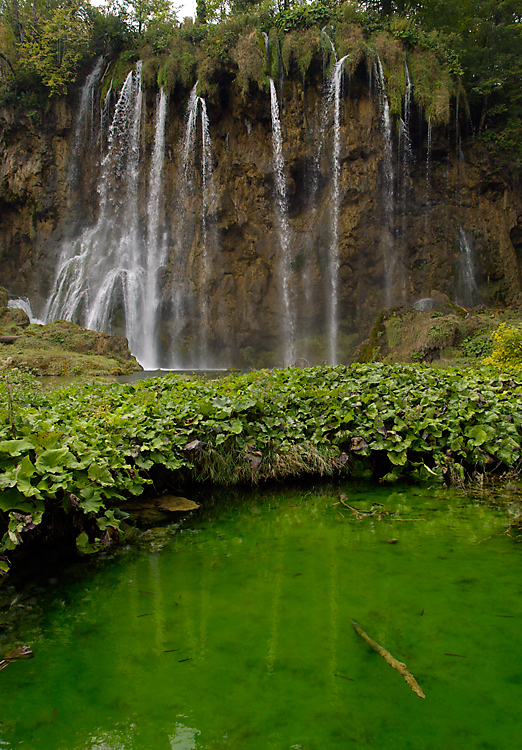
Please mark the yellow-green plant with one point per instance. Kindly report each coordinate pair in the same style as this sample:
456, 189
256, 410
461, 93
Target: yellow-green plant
250, 57
507, 347
300, 46
391, 53
433, 85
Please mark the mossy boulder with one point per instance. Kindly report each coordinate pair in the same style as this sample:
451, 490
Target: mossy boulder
444, 336
63, 348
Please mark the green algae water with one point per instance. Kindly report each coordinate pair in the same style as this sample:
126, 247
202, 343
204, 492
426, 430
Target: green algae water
234, 632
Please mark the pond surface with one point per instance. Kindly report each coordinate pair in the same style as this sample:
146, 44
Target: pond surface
234, 632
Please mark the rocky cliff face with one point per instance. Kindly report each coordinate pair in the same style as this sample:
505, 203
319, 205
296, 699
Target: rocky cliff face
427, 215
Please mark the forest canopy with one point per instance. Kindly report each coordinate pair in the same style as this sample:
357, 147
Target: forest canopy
477, 44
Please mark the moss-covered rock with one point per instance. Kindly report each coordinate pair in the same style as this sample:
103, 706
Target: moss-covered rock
63, 348
445, 336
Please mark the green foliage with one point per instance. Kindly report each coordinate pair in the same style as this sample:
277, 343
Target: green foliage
250, 58
507, 347
53, 46
477, 346
87, 448
144, 14
179, 68
432, 85
303, 15
391, 53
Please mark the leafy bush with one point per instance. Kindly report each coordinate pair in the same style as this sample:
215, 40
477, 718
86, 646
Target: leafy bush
432, 85
477, 346
83, 450
249, 55
507, 347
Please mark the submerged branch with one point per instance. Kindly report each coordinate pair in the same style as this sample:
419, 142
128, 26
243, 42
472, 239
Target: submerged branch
392, 661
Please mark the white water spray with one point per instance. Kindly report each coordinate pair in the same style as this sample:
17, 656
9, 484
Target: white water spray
207, 190
283, 228
333, 105
389, 244
84, 122
23, 303
156, 245
467, 292
100, 280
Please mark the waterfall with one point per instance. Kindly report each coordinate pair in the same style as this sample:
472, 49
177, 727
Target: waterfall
405, 158
100, 276
191, 283
156, 246
467, 291
23, 303
323, 31
333, 102
389, 208
283, 224
207, 195
104, 116
283, 228
84, 121
186, 163
427, 184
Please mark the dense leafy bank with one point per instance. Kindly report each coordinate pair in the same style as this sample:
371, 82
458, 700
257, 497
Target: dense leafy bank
78, 453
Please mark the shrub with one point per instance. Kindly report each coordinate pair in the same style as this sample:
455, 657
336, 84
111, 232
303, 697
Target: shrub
507, 347
300, 46
432, 86
250, 58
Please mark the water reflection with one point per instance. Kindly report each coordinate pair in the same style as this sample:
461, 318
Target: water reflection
238, 635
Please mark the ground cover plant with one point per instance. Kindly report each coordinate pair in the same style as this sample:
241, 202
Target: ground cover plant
73, 457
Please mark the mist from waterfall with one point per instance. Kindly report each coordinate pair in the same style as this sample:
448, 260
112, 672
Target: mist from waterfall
333, 108
190, 282
85, 121
405, 161
388, 184
156, 242
467, 292
283, 227
100, 281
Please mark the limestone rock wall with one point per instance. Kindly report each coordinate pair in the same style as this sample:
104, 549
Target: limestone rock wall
438, 196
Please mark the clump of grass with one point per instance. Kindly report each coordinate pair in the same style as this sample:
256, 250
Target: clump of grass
349, 40
432, 86
178, 69
250, 59
300, 47
507, 347
391, 53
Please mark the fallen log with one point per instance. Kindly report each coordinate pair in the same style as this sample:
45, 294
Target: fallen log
392, 661
17, 654
8, 339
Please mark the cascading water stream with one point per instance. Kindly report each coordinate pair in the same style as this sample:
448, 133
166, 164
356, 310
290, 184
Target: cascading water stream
84, 122
283, 228
207, 190
427, 185
100, 276
283, 224
185, 182
405, 159
182, 284
156, 245
389, 208
23, 303
333, 105
467, 293
323, 31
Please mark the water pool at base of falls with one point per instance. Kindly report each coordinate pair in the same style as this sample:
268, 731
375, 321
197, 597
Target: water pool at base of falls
234, 631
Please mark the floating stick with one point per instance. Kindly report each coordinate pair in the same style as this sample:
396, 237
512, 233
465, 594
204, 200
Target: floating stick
392, 661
